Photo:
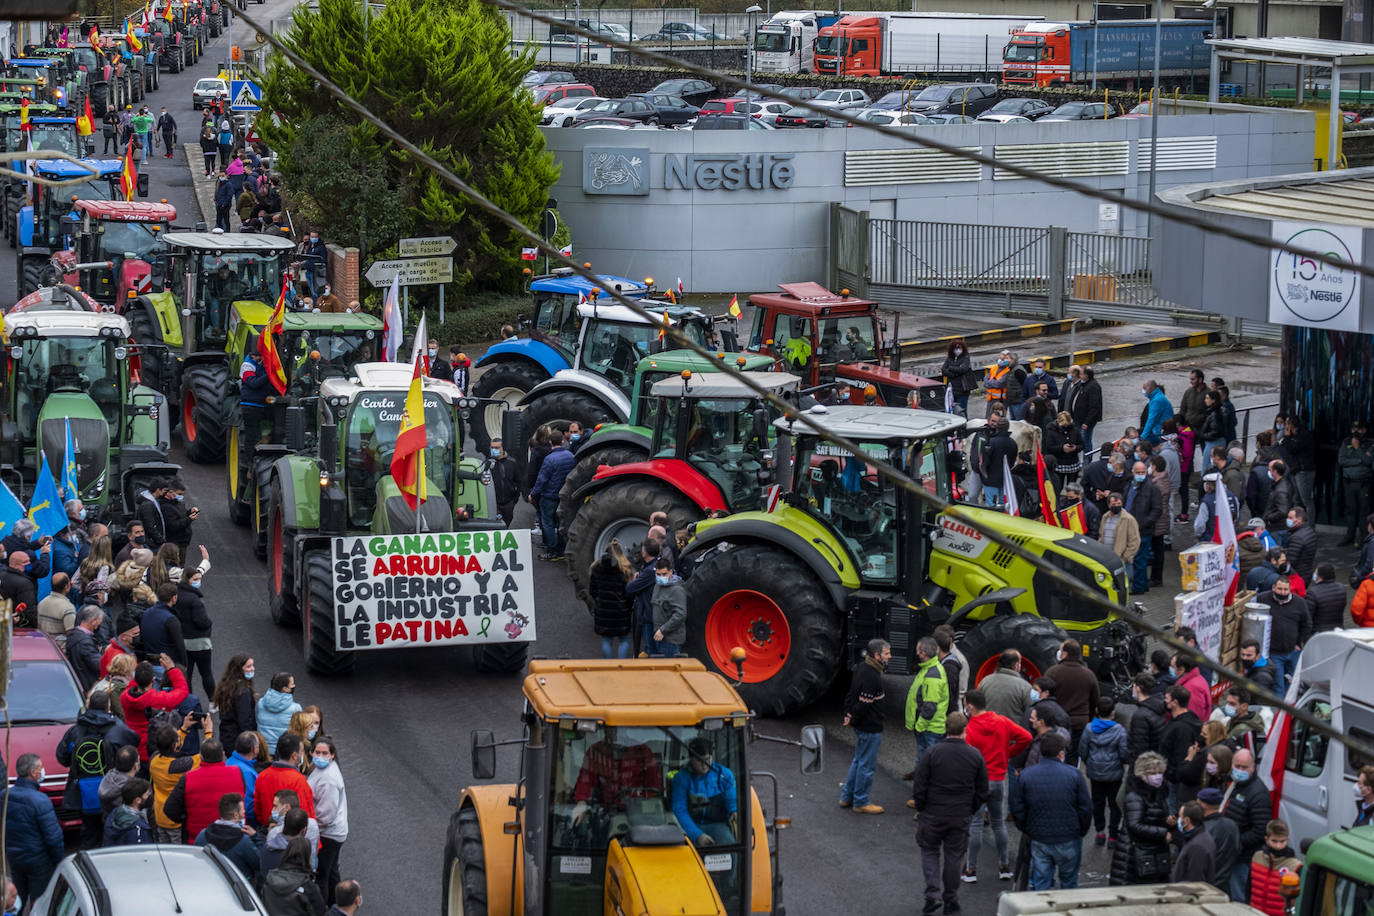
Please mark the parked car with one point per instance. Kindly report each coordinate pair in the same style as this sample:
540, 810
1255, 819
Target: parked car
768, 110
44, 701
633, 109
729, 122
799, 116
1011, 109
671, 109
129, 880
616, 31
547, 95
546, 78
686, 31
801, 93
208, 90
692, 91
842, 99
1081, 111
724, 106
609, 124
944, 117
562, 113
893, 118
958, 98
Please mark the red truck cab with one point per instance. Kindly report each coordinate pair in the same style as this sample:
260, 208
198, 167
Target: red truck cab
1037, 55
850, 47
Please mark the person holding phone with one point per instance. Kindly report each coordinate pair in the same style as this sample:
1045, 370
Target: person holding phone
177, 518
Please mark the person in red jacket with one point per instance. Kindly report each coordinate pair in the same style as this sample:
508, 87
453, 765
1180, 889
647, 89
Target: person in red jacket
1268, 865
1362, 606
195, 800
284, 773
998, 739
1199, 691
139, 699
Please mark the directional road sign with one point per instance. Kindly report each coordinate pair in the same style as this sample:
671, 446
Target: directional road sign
412, 271
244, 95
432, 246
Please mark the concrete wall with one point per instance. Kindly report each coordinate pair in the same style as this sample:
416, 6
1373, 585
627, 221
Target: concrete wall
736, 240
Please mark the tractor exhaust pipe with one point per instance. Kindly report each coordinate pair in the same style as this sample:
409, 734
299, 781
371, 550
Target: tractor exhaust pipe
93, 265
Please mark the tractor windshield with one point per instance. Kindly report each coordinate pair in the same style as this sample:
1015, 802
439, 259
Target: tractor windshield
849, 340
44, 137
722, 441
613, 349
614, 781
119, 240
555, 321
372, 427
235, 276
339, 352
51, 363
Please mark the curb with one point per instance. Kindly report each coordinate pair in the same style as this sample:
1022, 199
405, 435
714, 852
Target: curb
201, 187
1128, 350
1016, 332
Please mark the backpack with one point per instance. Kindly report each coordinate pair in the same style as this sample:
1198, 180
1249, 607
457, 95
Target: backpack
157, 718
93, 756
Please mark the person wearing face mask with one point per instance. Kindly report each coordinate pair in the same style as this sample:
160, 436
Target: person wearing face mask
1246, 801
287, 821
1302, 543
245, 758
1281, 499
1244, 726
1084, 404
313, 258
277, 706
195, 630
331, 812
958, 373
178, 519
235, 700
1224, 834
1268, 867
1179, 736
669, 609
1356, 460
284, 773
1197, 856
1119, 530
1148, 721
439, 367
1076, 689
1143, 501
306, 725
576, 436
33, 839
505, 480
998, 382
19, 581
167, 128
1291, 622
1142, 849
1037, 377
462, 368
1157, 410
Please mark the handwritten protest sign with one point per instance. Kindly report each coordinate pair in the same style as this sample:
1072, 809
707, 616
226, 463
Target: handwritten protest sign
1203, 611
452, 588
1203, 567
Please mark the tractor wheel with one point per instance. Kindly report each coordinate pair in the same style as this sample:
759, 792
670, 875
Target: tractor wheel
1036, 638
507, 382
100, 99
319, 641
262, 474
202, 412
280, 597
567, 406
500, 657
765, 600
236, 478
143, 328
157, 78
582, 474
465, 866
32, 272
621, 511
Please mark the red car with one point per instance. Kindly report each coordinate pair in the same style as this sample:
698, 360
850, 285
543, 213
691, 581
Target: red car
44, 701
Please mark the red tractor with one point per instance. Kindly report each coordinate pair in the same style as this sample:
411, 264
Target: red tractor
827, 337
115, 244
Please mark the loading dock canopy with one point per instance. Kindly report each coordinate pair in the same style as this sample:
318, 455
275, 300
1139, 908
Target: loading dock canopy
1342, 58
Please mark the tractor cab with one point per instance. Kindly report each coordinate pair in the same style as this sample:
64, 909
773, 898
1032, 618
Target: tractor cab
556, 297
44, 224
66, 74
114, 244
46, 134
46, 73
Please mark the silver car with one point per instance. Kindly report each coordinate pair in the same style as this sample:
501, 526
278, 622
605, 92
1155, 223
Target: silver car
142, 880
208, 90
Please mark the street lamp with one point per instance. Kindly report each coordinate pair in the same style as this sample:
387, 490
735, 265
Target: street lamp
749, 51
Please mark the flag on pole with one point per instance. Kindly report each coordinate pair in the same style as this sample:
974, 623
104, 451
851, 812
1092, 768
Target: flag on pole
134, 43
1270, 767
68, 489
128, 178
1047, 498
167, 13
419, 349
667, 323
734, 307
1009, 489
391, 321
1225, 535
94, 37
47, 512
529, 254
1074, 519
85, 122
671, 297
267, 344
24, 115
679, 287
408, 462
11, 509
566, 251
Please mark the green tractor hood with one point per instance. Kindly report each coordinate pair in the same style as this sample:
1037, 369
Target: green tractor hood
394, 516
90, 438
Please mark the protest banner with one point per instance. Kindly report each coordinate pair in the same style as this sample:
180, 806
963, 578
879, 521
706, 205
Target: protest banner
1203, 611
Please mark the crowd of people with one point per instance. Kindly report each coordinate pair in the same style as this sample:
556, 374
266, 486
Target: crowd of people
145, 760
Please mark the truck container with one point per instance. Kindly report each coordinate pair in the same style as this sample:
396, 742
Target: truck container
924, 44
1062, 53
786, 42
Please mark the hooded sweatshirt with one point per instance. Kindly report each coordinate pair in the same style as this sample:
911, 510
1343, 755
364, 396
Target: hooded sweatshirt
291, 892
111, 790
274, 715
127, 826
669, 607
1103, 750
229, 838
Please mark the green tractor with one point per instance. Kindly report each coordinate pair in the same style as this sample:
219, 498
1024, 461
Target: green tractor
847, 556
204, 286
622, 443
313, 347
711, 452
75, 367
335, 483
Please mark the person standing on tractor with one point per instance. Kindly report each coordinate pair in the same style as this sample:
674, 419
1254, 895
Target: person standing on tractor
314, 257
927, 699
863, 712
255, 387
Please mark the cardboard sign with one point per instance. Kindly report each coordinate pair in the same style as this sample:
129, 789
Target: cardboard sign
444, 589
1203, 567
1203, 611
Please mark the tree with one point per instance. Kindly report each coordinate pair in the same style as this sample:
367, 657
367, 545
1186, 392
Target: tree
441, 73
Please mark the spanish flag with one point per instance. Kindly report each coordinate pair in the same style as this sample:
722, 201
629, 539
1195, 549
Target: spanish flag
94, 36
667, 323
408, 461
24, 115
85, 122
267, 345
132, 38
167, 13
128, 178
734, 307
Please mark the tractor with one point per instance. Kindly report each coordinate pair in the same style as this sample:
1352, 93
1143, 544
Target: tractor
175, 50
141, 65
105, 83
113, 246
334, 485
846, 556
73, 367
622, 443
59, 81
313, 347
511, 368
711, 452
49, 225
824, 337
44, 135
203, 287
599, 818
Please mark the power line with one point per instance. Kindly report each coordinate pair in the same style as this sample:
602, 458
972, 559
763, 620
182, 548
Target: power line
898, 478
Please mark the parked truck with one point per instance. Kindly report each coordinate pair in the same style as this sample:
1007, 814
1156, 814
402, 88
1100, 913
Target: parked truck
896, 44
1062, 53
786, 42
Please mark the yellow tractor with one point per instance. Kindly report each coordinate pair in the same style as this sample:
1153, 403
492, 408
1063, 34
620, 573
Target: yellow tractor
633, 797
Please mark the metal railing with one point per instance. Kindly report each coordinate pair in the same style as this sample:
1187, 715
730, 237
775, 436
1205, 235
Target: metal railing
1242, 439
959, 256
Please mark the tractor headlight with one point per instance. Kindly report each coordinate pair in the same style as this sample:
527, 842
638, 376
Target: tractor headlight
96, 488
121, 353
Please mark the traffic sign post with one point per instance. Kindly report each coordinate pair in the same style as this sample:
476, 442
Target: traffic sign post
434, 246
245, 95
412, 271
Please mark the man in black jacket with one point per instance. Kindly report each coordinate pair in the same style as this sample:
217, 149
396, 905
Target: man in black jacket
1143, 500
87, 749
1183, 731
1085, 406
1246, 801
863, 712
950, 783
1302, 543
999, 454
83, 651
1147, 725
505, 480
1290, 626
19, 581
1281, 496
1076, 689
1326, 599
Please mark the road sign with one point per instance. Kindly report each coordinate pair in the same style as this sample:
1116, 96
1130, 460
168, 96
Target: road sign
412, 271
245, 95
433, 246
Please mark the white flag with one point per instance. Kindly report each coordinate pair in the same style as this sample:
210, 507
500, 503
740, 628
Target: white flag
419, 350
1226, 537
1009, 489
391, 320
949, 399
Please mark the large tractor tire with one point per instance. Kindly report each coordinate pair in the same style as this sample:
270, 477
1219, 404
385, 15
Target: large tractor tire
465, 866
281, 600
318, 635
564, 407
143, 328
1036, 638
766, 601
500, 657
507, 382
262, 472
236, 478
583, 472
32, 272
621, 511
100, 99
202, 412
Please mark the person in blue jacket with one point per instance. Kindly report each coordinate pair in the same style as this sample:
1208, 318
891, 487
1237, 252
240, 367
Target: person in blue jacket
33, 838
1157, 410
705, 802
255, 387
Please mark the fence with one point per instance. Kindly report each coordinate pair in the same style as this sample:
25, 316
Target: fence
639, 22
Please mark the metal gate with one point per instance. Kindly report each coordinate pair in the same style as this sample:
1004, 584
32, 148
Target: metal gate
849, 249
